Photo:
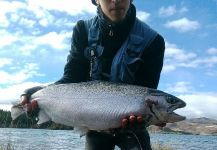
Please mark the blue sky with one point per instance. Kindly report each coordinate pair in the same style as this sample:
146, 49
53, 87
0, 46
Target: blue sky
35, 40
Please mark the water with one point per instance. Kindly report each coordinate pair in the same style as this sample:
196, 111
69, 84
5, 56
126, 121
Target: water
37, 139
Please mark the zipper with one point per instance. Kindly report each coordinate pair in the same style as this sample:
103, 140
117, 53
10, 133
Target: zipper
111, 33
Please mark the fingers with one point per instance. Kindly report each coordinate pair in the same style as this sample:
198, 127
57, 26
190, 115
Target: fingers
29, 106
131, 121
24, 99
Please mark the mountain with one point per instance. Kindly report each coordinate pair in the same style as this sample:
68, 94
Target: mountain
198, 126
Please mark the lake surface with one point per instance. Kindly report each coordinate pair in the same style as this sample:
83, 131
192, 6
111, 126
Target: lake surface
37, 139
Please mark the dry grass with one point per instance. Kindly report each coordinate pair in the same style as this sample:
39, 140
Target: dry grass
7, 147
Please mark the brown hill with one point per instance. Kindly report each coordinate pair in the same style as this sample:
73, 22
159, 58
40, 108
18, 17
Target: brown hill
199, 126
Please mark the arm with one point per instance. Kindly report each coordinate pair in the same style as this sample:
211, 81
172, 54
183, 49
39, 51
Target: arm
77, 66
149, 73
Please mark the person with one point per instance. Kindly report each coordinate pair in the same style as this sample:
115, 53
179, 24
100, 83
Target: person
114, 46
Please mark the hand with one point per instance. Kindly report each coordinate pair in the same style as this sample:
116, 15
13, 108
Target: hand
30, 107
133, 120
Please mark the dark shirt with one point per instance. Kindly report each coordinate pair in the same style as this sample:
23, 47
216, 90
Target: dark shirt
77, 66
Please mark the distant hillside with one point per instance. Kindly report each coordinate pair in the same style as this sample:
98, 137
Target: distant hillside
199, 126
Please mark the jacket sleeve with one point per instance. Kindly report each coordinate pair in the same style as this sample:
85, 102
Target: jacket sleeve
28, 92
77, 66
149, 72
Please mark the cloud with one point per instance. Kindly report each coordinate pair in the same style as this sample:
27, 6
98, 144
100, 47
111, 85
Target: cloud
81, 7
183, 25
5, 61
167, 11
171, 10
8, 7
212, 51
7, 38
176, 57
5, 107
13, 92
29, 70
181, 87
199, 105
52, 39
143, 15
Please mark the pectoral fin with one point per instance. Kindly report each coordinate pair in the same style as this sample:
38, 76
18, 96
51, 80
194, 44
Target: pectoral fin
43, 117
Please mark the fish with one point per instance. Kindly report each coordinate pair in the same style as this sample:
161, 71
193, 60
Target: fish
101, 105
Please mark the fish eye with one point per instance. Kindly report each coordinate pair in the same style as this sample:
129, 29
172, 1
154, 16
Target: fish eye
171, 100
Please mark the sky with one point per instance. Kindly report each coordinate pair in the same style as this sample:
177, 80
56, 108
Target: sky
35, 40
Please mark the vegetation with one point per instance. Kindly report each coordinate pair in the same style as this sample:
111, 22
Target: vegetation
8, 147
158, 146
25, 122
5, 119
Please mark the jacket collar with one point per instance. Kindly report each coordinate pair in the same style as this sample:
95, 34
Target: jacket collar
117, 30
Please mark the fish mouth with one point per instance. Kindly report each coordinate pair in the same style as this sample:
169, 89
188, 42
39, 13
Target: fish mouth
174, 117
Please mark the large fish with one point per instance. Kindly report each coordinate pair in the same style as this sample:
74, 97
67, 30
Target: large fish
99, 105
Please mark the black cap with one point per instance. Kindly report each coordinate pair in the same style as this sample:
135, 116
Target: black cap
94, 2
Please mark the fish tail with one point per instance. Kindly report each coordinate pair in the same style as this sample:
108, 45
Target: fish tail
16, 111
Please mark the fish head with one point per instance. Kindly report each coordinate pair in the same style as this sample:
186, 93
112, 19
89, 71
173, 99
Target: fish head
163, 107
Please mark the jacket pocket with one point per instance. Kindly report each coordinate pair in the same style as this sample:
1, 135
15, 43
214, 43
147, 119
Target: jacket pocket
130, 65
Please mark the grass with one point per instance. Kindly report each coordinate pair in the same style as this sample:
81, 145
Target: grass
158, 146
7, 147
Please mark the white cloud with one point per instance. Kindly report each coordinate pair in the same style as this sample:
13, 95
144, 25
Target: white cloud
183, 25
8, 7
183, 10
212, 73
199, 105
176, 57
168, 68
12, 93
26, 22
7, 38
143, 15
5, 61
171, 10
167, 11
72, 8
53, 39
29, 70
212, 51
5, 107
181, 87
3, 21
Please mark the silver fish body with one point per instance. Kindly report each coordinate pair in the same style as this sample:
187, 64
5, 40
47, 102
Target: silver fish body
99, 105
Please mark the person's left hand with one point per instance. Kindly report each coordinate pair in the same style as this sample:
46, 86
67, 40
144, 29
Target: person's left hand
133, 120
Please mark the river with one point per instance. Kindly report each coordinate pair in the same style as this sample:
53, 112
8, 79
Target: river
38, 139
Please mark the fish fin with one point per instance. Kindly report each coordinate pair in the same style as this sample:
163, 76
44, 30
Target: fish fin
43, 117
16, 111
